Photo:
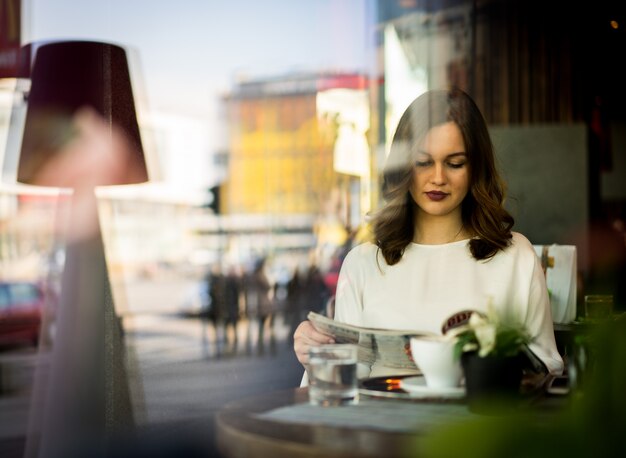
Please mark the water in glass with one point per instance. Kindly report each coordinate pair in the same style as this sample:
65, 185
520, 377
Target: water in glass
332, 375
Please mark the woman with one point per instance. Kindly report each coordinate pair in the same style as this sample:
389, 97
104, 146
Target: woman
443, 241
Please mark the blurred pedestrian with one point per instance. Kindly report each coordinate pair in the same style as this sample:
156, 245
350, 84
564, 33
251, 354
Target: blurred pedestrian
232, 299
259, 304
316, 291
217, 311
294, 306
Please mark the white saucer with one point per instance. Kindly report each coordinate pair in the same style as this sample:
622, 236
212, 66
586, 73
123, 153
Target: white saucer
416, 386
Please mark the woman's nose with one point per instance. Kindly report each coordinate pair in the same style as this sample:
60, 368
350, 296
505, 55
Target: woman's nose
439, 176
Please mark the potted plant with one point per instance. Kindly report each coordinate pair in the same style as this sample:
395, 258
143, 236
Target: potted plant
491, 349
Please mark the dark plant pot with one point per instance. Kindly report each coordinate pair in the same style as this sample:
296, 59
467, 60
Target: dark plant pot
492, 383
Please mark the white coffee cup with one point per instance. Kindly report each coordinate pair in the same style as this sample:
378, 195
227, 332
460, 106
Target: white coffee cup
435, 358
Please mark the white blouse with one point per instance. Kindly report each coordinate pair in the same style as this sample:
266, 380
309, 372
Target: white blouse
432, 282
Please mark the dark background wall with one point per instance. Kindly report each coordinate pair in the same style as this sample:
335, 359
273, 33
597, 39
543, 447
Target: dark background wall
545, 167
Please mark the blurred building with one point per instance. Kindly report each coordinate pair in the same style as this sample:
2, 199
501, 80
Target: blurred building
298, 146
298, 167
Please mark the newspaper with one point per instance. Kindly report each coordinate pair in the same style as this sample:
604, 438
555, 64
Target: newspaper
387, 346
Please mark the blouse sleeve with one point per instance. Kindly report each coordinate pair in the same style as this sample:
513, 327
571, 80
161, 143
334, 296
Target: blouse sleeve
348, 304
349, 295
539, 321
349, 298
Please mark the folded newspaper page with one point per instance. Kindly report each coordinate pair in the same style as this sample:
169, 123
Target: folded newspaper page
387, 346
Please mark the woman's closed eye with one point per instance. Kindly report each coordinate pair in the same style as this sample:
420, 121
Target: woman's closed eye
452, 165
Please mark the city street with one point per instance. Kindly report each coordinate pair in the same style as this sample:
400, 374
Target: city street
180, 370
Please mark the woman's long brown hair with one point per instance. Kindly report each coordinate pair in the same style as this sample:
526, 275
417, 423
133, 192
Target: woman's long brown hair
483, 212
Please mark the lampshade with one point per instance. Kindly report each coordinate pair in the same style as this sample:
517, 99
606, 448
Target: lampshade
67, 76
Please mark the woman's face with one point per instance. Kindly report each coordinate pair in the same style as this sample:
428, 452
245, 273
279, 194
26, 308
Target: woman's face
441, 172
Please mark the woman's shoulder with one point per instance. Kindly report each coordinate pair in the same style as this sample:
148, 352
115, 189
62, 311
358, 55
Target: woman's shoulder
521, 245
362, 251
361, 257
520, 239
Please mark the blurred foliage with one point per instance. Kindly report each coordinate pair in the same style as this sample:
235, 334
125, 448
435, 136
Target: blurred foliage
590, 422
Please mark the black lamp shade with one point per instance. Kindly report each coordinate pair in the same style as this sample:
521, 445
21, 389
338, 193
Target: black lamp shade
67, 76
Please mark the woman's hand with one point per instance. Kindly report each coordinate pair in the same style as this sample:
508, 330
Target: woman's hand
305, 337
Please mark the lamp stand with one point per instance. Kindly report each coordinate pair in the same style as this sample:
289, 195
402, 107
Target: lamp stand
88, 397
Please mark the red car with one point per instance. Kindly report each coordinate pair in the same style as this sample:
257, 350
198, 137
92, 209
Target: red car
21, 309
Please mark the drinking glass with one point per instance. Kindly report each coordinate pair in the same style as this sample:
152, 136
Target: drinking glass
332, 375
598, 306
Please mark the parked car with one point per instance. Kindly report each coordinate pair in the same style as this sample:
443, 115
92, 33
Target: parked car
22, 305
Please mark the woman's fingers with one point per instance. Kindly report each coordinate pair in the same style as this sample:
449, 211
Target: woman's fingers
305, 337
407, 350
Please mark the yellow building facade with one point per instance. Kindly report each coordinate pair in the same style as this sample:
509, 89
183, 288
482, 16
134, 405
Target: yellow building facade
281, 150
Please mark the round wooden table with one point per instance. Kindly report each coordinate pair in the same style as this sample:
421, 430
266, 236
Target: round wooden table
241, 434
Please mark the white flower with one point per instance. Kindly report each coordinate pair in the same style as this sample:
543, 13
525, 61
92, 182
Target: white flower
470, 347
477, 320
486, 336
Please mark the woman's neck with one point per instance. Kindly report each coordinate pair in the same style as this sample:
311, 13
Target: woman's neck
438, 230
